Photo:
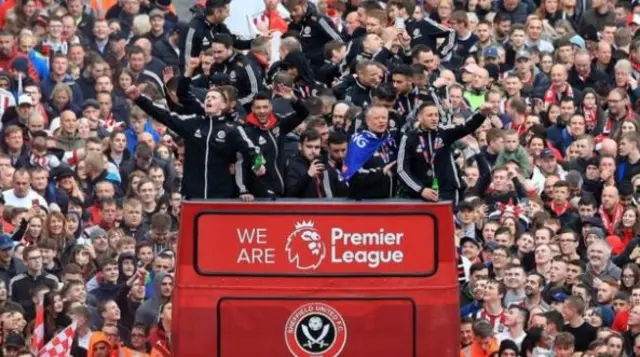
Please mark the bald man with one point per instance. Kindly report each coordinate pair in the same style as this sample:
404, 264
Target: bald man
151, 63
476, 95
608, 147
611, 210
560, 88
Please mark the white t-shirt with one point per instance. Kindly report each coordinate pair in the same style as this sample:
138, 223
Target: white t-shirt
10, 199
505, 336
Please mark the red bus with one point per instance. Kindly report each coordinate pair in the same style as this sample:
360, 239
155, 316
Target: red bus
316, 279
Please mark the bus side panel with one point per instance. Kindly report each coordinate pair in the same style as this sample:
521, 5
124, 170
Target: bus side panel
197, 297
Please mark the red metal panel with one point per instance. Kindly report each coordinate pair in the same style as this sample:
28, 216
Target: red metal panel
403, 277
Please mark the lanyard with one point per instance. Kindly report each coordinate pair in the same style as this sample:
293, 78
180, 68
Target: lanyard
384, 153
428, 154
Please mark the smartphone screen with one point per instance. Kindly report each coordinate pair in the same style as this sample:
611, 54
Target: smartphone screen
400, 23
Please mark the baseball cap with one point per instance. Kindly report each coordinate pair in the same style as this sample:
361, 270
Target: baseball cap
491, 52
62, 172
464, 205
90, 103
97, 232
593, 161
523, 54
15, 340
156, 13
491, 246
578, 41
547, 154
5, 242
593, 221
25, 99
469, 239
559, 297
117, 35
163, 4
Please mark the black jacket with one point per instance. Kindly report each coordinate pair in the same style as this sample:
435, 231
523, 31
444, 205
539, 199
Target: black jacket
315, 31
370, 182
211, 144
242, 75
21, 288
427, 32
300, 185
200, 35
419, 148
358, 95
270, 139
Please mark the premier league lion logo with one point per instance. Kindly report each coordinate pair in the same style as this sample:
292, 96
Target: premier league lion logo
304, 247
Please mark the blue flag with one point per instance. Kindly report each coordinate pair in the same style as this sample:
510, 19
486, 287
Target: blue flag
362, 146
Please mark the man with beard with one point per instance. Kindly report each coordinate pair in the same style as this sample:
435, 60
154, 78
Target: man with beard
148, 312
479, 289
533, 292
599, 265
477, 272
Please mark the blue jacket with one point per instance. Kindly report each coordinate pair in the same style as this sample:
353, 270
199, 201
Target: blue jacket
47, 85
132, 138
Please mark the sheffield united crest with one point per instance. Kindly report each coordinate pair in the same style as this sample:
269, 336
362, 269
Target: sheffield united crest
315, 330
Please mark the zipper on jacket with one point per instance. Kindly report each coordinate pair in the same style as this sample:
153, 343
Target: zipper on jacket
206, 159
275, 144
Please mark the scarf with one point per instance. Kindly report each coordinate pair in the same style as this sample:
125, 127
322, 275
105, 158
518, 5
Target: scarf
552, 94
559, 210
610, 222
611, 120
363, 145
40, 161
590, 117
626, 236
271, 122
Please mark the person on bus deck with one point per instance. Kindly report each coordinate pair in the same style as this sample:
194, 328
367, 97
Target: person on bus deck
308, 176
424, 155
211, 140
267, 129
369, 166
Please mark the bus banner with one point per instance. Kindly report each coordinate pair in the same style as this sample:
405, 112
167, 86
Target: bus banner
290, 243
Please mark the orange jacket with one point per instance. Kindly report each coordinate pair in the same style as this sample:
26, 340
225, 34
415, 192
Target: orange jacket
97, 337
476, 349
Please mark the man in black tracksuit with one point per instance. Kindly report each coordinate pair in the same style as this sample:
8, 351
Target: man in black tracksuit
211, 140
382, 96
237, 68
425, 154
203, 28
315, 30
308, 175
427, 32
267, 130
